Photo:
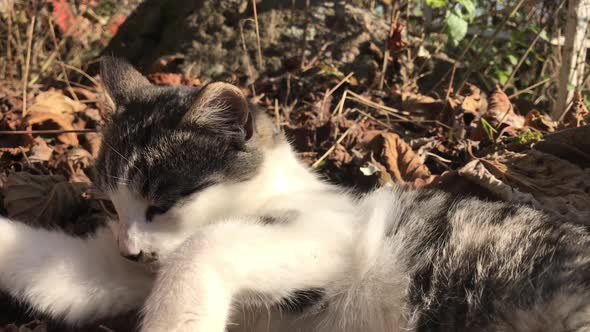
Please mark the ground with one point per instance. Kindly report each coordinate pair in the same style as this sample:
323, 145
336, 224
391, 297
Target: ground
347, 83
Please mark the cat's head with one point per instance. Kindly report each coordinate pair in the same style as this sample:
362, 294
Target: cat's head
169, 158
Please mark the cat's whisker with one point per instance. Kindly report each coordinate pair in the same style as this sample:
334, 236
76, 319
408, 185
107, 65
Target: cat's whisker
123, 157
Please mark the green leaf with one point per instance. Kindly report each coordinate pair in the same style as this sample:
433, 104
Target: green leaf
330, 70
502, 75
543, 35
455, 26
469, 8
489, 129
436, 3
528, 136
512, 59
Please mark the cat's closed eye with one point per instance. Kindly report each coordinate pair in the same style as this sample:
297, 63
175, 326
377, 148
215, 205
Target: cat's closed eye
154, 210
202, 186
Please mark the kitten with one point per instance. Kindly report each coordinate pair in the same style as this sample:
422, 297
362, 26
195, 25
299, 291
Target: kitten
216, 215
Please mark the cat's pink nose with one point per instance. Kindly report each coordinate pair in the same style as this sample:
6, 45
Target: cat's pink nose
128, 248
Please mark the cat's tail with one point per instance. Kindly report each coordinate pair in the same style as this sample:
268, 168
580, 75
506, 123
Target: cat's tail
69, 278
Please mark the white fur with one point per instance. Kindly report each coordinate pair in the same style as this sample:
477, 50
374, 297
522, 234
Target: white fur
75, 279
329, 245
218, 257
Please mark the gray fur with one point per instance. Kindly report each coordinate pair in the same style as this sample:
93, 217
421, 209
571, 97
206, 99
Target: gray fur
150, 147
483, 266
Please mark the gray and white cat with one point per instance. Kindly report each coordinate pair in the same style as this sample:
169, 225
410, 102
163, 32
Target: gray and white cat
216, 216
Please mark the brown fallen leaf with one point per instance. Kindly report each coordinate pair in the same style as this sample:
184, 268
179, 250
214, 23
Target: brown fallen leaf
539, 121
62, 14
501, 112
471, 103
457, 185
500, 115
114, 23
40, 151
77, 160
14, 144
165, 63
92, 143
571, 144
34, 326
419, 104
56, 102
340, 156
577, 114
543, 180
477, 172
173, 79
393, 158
49, 120
396, 40
50, 200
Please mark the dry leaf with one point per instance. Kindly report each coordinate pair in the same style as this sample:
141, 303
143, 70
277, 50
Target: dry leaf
501, 112
577, 114
40, 151
549, 183
93, 143
77, 160
62, 14
418, 104
390, 153
377, 172
479, 174
500, 115
173, 79
471, 103
49, 200
56, 102
396, 40
78, 27
340, 156
14, 143
539, 121
165, 63
114, 24
55, 121
459, 185
571, 144
34, 326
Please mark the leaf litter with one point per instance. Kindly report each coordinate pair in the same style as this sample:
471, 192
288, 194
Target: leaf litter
353, 133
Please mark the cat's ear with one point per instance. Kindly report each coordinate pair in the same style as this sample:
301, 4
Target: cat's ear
122, 82
222, 108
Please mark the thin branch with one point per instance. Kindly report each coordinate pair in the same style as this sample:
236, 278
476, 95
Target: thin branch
394, 18
257, 35
81, 72
489, 40
47, 131
342, 81
27, 63
529, 49
532, 87
458, 60
338, 141
63, 69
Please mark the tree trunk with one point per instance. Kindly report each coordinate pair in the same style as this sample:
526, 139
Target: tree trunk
573, 54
